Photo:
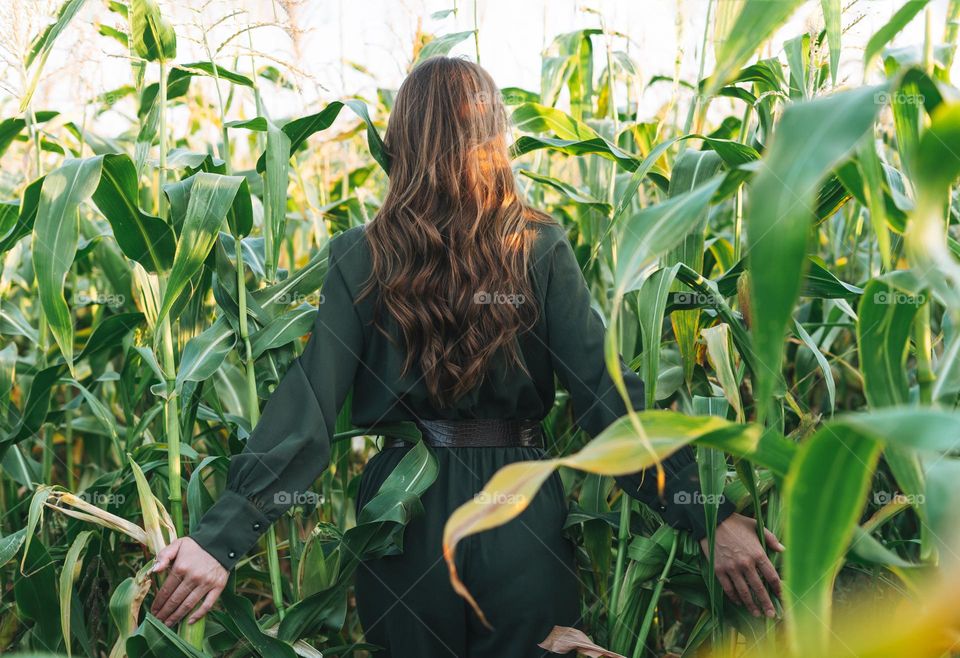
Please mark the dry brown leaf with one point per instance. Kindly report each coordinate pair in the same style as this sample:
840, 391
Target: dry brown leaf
563, 639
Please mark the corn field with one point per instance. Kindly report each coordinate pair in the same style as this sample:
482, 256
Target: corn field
775, 251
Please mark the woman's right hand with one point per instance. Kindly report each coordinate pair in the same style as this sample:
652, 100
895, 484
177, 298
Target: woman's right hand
739, 558
195, 575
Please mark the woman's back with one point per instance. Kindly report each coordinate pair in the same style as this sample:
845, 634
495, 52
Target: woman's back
566, 338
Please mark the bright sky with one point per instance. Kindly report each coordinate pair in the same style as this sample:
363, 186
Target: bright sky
316, 36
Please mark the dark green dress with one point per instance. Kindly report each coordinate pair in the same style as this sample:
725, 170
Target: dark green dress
523, 571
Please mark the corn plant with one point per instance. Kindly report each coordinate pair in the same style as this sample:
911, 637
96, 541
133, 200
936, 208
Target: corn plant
775, 252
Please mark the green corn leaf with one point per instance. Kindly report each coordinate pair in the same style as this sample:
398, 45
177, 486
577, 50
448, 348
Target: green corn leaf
811, 139
569, 191
44, 41
656, 229
277, 298
125, 605
885, 317
198, 500
820, 282
831, 18
592, 146
755, 24
536, 118
885, 34
577, 48
67, 577
11, 128
442, 44
142, 237
651, 304
43, 44
34, 589
10, 545
178, 83
204, 353
870, 166
825, 491
284, 328
300, 129
822, 362
920, 429
13, 323
943, 500
241, 621
100, 411
691, 169
211, 197
936, 168
276, 179
55, 237
27, 210
153, 37
153, 639
378, 528
106, 334
798, 54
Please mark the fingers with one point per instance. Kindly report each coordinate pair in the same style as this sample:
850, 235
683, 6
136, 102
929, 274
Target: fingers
169, 587
188, 604
728, 587
208, 602
759, 592
772, 541
770, 574
176, 598
743, 591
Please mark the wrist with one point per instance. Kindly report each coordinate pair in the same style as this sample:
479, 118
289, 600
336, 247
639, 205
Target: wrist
230, 528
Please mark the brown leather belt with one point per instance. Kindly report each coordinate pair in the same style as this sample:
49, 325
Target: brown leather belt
478, 433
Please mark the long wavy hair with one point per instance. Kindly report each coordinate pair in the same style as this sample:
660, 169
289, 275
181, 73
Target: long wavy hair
451, 243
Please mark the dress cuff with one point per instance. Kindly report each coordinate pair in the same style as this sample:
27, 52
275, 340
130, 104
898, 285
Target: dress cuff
685, 502
230, 528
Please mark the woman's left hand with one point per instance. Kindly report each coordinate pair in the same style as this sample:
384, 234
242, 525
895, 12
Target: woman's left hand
740, 561
195, 575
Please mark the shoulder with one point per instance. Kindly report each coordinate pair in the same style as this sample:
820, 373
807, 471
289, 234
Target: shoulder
549, 234
349, 253
343, 244
549, 237
551, 248
349, 249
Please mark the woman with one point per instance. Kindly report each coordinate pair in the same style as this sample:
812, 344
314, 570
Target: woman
453, 308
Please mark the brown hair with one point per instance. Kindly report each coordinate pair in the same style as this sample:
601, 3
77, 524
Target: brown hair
451, 242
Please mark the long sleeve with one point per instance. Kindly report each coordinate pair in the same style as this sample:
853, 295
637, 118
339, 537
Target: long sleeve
576, 336
290, 445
